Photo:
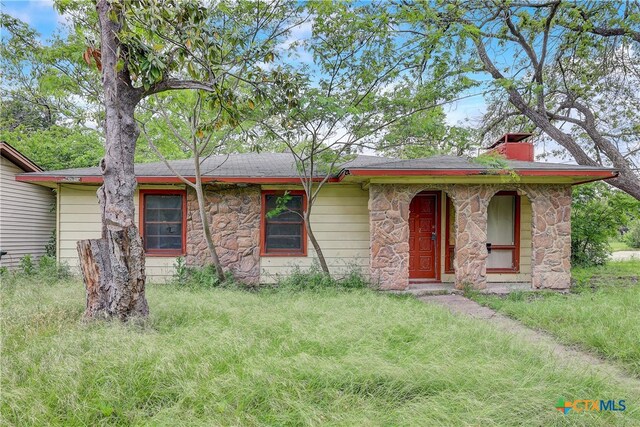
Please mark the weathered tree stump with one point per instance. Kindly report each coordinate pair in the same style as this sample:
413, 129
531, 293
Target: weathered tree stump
113, 274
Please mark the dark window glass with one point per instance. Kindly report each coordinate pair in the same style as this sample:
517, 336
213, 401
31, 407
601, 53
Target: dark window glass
284, 232
163, 221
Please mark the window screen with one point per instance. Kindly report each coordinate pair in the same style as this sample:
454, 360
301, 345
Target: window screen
163, 222
501, 222
284, 232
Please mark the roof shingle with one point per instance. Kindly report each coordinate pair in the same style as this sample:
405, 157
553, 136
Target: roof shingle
282, 165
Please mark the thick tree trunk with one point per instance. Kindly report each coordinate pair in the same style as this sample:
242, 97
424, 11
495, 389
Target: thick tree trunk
113, 267
107, 295
628, 181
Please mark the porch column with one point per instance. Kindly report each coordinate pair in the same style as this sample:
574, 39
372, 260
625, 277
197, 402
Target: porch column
389, 234
551, 236
470, 259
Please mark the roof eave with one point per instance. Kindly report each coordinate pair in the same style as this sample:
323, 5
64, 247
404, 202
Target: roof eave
600, 174
18, 158
94, 179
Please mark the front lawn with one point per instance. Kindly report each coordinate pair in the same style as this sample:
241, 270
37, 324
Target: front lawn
602, 312
230, 357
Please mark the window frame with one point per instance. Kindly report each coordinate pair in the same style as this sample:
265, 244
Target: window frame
164, 252
515, 248
449, 249
263, 226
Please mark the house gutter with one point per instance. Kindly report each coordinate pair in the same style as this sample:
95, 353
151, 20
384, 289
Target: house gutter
172, 179
70, 179
598, 174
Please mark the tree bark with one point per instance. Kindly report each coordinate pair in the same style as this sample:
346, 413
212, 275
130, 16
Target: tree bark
96, 273
117, 258
316, 245
107, 295
627, 181
205, 224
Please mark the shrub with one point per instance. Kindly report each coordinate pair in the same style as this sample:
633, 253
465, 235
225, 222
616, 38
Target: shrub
632, 237
314, 278
48, 268
26, 265
198, 277
50, 247
597, 213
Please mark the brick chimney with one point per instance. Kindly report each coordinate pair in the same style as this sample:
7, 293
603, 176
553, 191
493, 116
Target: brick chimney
514, 146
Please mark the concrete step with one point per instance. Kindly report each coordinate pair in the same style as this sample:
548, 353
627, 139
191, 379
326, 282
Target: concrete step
420, 289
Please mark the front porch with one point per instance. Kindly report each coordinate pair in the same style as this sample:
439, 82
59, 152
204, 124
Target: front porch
446, 245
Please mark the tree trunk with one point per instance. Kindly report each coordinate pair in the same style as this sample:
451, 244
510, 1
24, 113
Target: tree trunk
113, 267
107, 296
206, 228
316, 245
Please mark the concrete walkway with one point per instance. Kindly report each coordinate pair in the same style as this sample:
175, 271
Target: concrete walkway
625, 255
567, 355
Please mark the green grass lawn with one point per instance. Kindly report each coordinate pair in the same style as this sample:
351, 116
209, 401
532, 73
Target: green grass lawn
230, 357
617, 245
602, 313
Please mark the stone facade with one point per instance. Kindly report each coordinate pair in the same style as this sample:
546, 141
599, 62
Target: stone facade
389, 231
551, 236
389, 228
470, 260
234, 215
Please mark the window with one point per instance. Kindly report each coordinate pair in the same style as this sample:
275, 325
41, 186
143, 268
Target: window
162, 219
283, 234
450, 237
503, 232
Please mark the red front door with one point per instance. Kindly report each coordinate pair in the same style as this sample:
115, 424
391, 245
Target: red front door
423, 237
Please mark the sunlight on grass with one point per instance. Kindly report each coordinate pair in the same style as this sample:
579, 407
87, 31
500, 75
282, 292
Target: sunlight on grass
601, 314
617, 245
229, 357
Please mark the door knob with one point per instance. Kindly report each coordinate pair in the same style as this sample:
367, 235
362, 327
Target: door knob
433, 236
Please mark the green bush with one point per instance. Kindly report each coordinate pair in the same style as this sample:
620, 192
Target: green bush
198, 277
632, 238
48, 268
597, 213
314, 278
26, 265
50, 247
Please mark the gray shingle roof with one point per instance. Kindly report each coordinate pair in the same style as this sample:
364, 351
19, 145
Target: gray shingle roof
455, 163
274, 165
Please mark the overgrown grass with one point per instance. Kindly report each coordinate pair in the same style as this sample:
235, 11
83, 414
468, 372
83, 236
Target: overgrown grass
601, 313
231, 357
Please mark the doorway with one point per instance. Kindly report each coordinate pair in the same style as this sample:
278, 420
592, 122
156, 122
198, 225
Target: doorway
424, 236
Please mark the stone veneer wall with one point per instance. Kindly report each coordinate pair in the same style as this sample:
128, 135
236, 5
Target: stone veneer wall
234, 215
551, 236
551, 232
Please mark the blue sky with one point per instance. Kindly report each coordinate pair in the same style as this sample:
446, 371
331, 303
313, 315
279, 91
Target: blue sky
42, 16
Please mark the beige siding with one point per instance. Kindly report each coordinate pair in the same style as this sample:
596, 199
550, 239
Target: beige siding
26, 216
79, 218
525, 248
340, 221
